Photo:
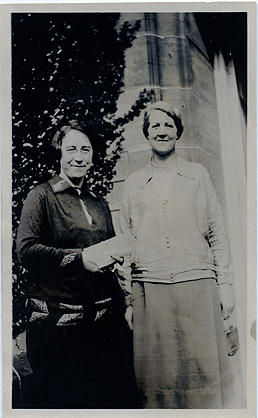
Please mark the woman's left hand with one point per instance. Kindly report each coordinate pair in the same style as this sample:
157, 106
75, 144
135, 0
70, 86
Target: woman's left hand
90, 265
227, 311
226, 300
112, 267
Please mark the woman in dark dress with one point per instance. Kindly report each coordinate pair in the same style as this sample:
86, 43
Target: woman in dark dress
78, 342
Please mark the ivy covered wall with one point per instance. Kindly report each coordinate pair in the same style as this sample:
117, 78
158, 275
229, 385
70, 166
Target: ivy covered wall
64, 66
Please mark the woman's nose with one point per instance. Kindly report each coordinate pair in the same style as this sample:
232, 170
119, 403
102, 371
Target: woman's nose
78, 156
162, 131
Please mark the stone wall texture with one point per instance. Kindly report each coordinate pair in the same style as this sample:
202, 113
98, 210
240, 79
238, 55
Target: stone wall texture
168, 55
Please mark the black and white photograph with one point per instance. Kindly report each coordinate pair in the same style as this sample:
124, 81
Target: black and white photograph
131, 277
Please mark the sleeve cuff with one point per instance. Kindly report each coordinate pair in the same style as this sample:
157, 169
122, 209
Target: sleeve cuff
72, 262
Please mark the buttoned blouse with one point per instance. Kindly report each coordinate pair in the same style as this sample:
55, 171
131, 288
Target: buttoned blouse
178, 239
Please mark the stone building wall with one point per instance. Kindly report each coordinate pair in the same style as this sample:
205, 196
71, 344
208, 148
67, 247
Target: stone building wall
168, 55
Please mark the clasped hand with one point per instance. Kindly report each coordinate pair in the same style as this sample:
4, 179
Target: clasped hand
93, 267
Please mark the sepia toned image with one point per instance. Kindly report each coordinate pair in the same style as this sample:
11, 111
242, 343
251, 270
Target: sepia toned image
129, 180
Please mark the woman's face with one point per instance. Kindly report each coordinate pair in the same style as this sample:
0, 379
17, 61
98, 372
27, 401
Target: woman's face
162, 132
76, 156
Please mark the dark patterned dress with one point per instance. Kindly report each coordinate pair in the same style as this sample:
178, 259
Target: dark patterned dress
78, 343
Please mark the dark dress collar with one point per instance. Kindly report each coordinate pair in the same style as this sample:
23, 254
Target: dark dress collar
58, 185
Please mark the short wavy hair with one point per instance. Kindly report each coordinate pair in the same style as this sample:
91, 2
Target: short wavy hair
166, 108
73, 124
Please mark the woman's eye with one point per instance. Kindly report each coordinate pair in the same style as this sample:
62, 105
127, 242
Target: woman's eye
169, 125
155, 125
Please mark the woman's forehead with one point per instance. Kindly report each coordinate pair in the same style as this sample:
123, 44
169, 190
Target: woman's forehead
75, 137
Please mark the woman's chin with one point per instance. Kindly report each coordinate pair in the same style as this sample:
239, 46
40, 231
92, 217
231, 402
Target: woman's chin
76, 179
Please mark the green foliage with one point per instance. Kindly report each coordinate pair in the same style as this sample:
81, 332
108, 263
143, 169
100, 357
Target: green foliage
64, 66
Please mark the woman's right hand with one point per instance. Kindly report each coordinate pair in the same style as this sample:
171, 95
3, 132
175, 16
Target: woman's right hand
129, 316
90, 265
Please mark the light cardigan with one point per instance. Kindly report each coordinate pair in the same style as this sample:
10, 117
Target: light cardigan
178, 240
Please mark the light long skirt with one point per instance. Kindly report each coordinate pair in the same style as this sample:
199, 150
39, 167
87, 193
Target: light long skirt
179, 346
